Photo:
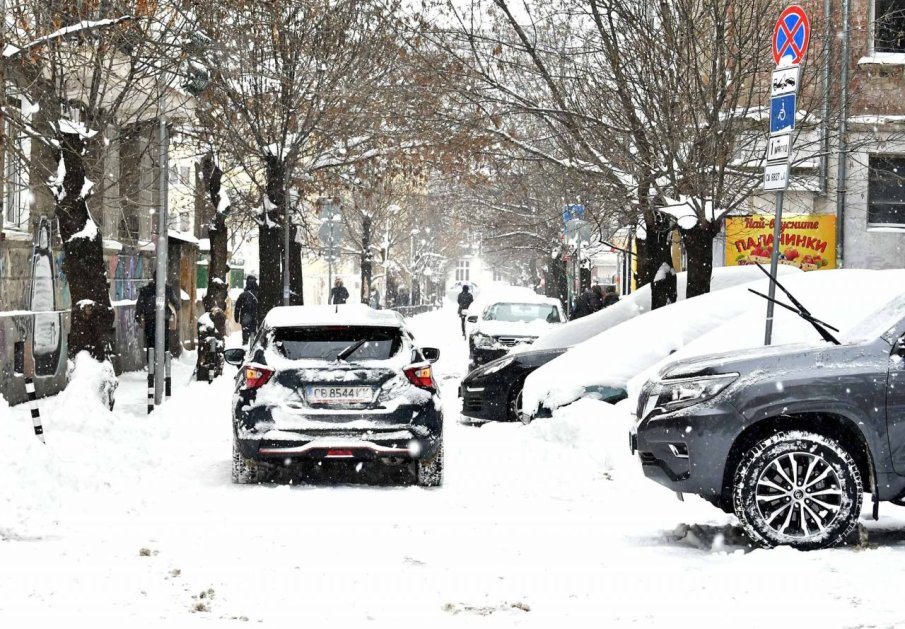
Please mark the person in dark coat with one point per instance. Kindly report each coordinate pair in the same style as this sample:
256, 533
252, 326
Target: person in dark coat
610, 297
339, 294
584, 305
146, 312
465, 300
246, 311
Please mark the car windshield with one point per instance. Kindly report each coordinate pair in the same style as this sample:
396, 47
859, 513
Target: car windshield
332, 342
523, 312
878, 323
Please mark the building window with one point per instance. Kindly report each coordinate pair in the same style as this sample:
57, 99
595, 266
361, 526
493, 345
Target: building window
462, 270
886, 191
497, 275
889, 25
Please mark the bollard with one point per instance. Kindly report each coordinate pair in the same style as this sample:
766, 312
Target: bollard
166, 359
35, 413
150, 352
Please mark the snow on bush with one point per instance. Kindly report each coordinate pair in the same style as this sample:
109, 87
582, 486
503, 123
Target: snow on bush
91, 384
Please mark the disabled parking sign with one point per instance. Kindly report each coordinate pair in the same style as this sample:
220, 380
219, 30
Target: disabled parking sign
782, 113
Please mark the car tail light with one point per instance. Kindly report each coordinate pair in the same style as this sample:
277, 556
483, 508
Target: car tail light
257, 376
421, 376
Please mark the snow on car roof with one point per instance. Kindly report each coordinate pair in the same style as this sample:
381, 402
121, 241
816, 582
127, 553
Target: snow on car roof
498, 293
341, 314
637, 303
728, 319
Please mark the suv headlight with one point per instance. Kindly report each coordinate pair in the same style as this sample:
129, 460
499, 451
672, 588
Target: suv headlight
667, 396
482, 340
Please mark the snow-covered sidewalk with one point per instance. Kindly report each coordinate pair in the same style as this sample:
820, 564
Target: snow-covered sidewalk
123, 517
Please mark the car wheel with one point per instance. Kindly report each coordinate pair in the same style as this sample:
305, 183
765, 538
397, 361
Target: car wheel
430, 471
798, 489
514, 406
248, 471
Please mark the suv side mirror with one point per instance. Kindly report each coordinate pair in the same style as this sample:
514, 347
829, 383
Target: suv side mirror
473, 319
431, 354
234, 356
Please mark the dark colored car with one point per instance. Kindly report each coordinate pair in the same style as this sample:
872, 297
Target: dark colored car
346, 383
787, 437
493, 391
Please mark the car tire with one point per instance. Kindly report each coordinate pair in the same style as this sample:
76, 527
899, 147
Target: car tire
814, 482
514, 402
430, 471
248, 471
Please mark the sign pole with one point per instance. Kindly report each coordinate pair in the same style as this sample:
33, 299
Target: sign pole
791, 35
774, 266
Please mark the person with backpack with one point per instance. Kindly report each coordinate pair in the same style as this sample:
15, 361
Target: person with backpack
465, 300
246, 312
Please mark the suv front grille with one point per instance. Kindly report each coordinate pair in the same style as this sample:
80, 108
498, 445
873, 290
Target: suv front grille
511, 341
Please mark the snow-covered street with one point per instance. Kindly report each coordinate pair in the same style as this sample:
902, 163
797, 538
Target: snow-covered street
124, 517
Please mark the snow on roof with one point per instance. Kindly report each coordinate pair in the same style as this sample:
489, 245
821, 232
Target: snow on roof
342, 314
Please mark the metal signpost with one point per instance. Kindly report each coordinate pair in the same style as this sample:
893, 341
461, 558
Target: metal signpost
331, 237
791, 35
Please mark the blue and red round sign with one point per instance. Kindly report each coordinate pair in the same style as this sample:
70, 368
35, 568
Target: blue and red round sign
791, 35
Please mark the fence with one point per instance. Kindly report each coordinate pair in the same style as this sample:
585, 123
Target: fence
410, 311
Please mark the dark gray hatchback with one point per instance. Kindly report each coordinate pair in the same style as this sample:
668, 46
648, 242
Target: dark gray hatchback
787, 437
345, 383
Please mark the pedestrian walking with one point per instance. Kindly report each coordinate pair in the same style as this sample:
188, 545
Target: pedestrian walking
465, 300
339, 294
146, 312
374, 300
246, 311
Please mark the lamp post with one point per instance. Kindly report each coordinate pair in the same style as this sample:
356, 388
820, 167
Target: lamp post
290, 202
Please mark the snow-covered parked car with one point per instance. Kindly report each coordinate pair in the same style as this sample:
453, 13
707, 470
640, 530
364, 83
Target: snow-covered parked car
493, 391
335, 382
607, 361
790, 436
507, 321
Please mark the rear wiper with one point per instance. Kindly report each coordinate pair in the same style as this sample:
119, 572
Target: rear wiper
350, 350
823, 328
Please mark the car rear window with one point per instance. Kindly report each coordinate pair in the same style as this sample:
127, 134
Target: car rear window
327, 342
523, 312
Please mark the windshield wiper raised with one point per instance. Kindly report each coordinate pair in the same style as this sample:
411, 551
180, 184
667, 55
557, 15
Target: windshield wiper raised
823, 328
344, 354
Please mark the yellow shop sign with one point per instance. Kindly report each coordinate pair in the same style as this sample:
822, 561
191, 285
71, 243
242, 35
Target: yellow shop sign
808, 242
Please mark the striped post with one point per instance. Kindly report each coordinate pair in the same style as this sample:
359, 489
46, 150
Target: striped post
150, 380
167, 381
33, 405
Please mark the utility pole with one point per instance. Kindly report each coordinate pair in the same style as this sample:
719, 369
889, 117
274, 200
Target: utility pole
286, 203
161, 275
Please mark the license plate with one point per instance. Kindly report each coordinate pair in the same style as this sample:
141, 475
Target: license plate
339, 395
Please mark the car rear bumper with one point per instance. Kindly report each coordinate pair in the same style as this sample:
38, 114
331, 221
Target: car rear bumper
273, 433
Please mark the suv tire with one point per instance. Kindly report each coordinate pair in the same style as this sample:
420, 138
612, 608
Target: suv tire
430, 471
248, 471
798, 489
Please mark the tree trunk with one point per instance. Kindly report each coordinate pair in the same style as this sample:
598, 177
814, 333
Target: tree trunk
270, 238
366, 263
218, 287
296, 280
91, 326
212, 328
699, 251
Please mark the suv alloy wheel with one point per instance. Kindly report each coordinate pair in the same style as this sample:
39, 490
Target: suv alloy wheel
798, 488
